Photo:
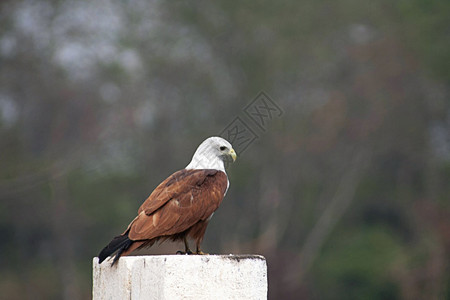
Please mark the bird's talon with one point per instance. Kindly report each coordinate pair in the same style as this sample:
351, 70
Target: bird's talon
188, 252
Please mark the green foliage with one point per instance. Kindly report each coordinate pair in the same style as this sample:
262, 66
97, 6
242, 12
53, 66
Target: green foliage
425, 25
358, 264
100, 101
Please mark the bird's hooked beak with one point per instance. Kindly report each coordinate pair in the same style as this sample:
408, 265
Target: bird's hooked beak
233, 154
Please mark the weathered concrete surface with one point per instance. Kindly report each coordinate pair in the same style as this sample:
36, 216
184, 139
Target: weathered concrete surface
171, 277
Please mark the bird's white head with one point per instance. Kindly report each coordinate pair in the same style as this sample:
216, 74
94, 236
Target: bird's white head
211, 154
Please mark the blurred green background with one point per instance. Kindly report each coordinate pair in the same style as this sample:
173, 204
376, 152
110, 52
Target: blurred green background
346, 193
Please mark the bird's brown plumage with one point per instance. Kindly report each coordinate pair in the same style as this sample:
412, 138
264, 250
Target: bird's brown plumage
179, 207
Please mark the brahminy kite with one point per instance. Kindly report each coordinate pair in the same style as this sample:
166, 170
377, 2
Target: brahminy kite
181, 206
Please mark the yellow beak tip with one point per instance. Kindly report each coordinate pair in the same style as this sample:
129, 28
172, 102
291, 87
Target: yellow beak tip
233, 154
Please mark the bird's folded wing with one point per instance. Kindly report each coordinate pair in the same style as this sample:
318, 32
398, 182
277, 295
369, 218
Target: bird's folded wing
183, 199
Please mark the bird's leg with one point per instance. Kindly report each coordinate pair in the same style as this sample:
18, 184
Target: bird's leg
200, 252
186, 247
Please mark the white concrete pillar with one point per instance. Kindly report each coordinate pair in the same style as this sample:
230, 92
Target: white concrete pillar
171, 277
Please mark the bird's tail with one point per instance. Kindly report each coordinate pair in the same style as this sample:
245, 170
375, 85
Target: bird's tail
119, 244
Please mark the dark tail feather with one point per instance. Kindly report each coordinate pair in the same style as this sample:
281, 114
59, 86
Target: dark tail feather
118, 244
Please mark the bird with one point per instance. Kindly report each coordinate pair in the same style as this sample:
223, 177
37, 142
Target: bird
181, 206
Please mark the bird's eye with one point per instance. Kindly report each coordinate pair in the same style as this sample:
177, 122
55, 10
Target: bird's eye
222, 148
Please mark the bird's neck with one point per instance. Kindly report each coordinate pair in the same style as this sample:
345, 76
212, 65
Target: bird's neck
203, 162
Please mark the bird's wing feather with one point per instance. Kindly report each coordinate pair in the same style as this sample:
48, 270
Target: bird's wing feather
180, 201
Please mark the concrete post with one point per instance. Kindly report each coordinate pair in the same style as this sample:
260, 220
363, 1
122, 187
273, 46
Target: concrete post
171, 277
